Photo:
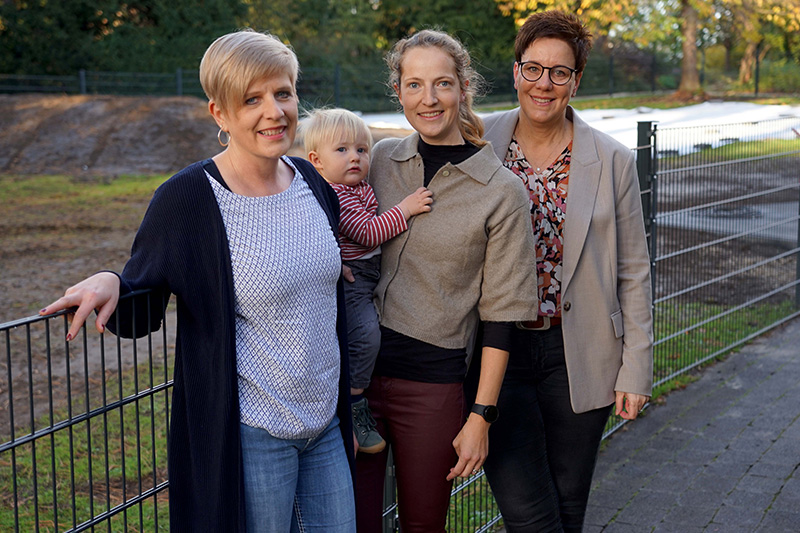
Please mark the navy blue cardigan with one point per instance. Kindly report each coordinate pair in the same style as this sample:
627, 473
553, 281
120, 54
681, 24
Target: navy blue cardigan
181, 248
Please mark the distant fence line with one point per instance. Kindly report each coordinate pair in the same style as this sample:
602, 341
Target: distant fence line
84, 425
361, 88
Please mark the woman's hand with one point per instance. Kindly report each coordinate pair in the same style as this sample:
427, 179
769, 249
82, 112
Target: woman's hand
99, 292
628, 404
472, 447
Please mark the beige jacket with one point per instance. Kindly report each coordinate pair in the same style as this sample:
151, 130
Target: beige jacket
605, 295
465, 260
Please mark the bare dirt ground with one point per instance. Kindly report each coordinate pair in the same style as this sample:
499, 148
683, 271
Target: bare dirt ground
90, 139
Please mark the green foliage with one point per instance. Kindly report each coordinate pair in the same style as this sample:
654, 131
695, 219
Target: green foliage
58, 37
781, 76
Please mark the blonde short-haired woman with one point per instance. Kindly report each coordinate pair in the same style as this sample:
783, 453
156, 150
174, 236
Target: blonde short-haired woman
260, 436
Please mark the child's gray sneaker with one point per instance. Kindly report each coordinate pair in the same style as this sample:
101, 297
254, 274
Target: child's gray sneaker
369, 440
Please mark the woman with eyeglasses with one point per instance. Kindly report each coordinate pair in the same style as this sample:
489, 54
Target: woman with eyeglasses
591, 347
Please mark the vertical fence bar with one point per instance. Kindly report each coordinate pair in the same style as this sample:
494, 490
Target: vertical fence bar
12, 431
70, 427
611, 70
35, 470
82, 81
89, 447
653, 226
643, 166
123, 469
104, 391
797, 263
51, 418
653, 66
179, 81
758, 66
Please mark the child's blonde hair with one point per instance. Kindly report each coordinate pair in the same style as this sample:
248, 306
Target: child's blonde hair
329, 126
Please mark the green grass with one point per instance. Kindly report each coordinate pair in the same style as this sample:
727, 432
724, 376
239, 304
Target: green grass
673, 353
60, 466
471, 507
747, 149
38, 190
655, 101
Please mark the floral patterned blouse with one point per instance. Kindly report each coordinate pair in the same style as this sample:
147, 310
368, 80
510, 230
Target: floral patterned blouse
548, 202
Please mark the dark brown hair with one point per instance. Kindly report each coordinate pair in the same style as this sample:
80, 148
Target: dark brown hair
557, 25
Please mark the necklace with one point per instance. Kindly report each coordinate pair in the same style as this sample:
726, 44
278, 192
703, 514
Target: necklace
552, 153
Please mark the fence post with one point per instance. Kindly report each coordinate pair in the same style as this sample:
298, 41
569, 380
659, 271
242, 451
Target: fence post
797, 268
758, 64
179, 81
653, 67
646, 167
336, 84
644, 162
611, 72
82, 81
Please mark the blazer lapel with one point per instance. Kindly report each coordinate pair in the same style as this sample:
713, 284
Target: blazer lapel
499, 131
584, 179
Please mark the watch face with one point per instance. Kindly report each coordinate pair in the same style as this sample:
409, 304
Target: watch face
490, 413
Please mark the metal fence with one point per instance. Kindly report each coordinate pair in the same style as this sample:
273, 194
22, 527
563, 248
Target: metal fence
360, 88
84, 425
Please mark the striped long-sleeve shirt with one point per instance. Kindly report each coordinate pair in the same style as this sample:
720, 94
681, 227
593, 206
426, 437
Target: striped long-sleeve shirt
360, 230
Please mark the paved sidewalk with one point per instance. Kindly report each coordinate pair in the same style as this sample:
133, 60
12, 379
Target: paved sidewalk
723, 455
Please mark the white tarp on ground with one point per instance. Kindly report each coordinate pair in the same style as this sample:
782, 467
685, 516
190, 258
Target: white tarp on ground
622, 123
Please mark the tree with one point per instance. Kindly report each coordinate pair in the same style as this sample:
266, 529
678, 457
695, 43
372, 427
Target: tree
690, 78
762, 24
58, 37
49, 37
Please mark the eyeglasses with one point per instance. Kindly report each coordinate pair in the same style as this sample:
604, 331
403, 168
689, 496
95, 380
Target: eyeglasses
559, 74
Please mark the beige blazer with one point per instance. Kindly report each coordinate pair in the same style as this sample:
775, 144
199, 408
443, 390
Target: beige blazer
606, 299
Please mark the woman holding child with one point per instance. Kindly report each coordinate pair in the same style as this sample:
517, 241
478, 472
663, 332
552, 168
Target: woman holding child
465, 261
260, 436
591, 346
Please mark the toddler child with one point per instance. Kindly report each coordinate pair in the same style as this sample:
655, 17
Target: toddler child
338, 143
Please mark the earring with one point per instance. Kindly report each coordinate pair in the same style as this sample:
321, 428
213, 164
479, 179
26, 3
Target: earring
219, 138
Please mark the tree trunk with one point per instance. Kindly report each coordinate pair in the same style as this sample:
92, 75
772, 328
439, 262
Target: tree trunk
747, 63
690, 78
750, 34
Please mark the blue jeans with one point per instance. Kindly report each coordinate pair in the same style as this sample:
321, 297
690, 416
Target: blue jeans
297, 485
363, 330
541, 454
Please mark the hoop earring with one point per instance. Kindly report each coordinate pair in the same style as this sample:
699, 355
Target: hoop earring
219, 138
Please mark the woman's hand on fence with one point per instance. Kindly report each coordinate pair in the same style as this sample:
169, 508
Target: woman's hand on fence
629, 404
472, 447
99, 292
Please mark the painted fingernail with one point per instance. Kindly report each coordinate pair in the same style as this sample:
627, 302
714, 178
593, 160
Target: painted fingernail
69, 337
42, 311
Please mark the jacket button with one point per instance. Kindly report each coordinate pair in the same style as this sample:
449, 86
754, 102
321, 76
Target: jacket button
446, 173
567, 306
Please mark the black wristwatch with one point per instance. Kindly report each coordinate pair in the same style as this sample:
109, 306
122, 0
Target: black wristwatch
488, 412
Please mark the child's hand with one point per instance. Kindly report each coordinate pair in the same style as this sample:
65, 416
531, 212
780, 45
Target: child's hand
417, 202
